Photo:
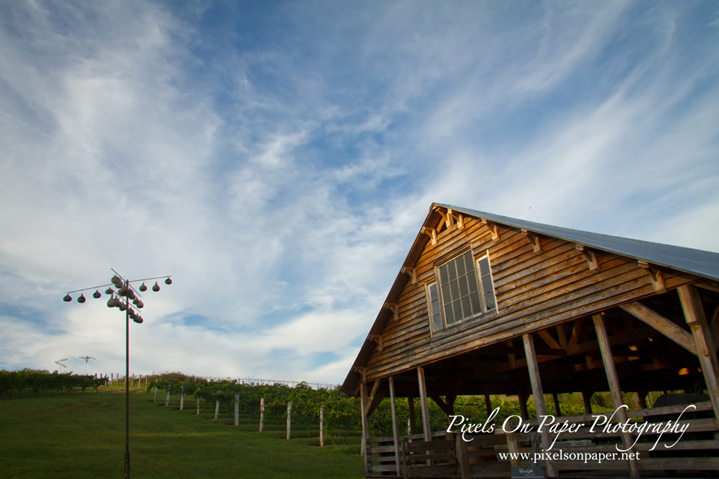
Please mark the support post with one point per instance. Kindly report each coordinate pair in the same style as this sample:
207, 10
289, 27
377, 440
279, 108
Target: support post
395, 431
424, 404
262, 413
587, 398
412, 419
538, 393
167, 397
155, 400
237, 409
217, 405
614, 386
488, 404
555, 397
322, 427
182, 397
198, 405
365, 422
289, 419
697, 321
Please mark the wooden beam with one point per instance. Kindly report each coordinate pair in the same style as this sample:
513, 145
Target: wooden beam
709, 286
442, 405
614, 386
590, 256
661, 324
395, 310
375, 387
377, 339
488, 404
412, 415
424, 404
538, 394
411, 272
547, 338
555, 397
655, 275
432, 233
395, 430
535, 240
365, 422
697, 321
587, 398
576, 331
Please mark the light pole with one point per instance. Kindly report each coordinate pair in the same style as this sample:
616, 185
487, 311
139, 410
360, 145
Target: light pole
128, 292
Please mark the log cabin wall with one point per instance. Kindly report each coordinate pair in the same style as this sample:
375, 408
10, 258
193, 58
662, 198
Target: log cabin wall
533, 290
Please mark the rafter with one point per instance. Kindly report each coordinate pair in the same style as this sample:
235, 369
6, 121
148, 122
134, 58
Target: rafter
590, 256
411, 272
655, 275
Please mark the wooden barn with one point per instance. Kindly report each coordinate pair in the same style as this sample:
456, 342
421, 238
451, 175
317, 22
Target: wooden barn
488, 306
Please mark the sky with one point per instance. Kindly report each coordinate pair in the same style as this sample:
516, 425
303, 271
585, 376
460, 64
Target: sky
277, 159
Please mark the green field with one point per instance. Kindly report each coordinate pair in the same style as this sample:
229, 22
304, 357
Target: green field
82, 435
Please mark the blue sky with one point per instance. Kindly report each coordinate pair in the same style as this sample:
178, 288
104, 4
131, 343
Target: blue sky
278, 158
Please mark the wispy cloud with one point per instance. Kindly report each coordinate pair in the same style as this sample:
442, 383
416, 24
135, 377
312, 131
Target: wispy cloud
278, 160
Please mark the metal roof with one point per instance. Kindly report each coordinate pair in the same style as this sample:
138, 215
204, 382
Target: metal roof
702, 263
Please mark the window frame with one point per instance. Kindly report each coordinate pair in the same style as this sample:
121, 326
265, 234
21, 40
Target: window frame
436, 282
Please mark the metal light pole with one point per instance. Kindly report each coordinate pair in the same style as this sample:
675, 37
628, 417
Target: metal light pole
125, 290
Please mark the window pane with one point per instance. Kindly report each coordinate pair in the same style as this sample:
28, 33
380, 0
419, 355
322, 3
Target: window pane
486, 285
446, 297
460, 267
448, 314
443, 274
463, 288
452, 271
468, 262
472, 280
476, 306
457, 310
433, 293
437, 322
489, 299
484, 266
454, 287
466, 307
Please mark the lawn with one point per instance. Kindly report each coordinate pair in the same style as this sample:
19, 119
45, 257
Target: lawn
82, 435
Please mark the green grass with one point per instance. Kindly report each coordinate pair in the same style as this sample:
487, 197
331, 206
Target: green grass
82, 435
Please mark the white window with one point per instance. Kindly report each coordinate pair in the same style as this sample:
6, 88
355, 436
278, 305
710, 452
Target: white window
462, 291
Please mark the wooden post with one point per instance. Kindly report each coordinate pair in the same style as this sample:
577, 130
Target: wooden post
167, 398
587, 398
395, 431
697, 321
538, 393
262, 412
642, 399
155, 400
198, 405
512, 444
424, 405
289, 419
237, 409
558, 411
412, 419
523, 398
488, 404
182, 397
112, 377
104, 383
365, 421
217, 405
322, 427
614, 386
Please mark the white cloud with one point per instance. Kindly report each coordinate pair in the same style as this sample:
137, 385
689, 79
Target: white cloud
280, 170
